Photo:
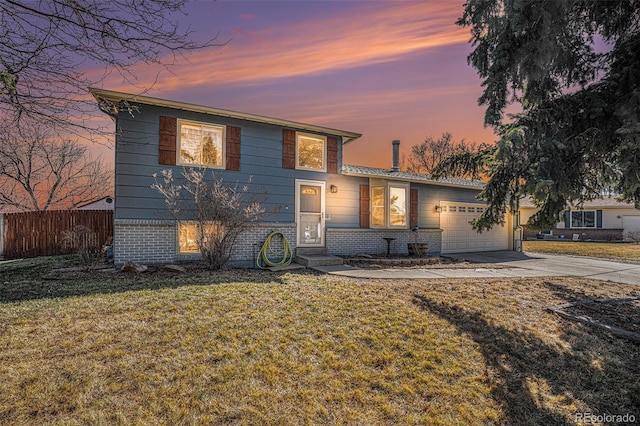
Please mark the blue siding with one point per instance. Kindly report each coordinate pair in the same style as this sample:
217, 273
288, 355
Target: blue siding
261, 159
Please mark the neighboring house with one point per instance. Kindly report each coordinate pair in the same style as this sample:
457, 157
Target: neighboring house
324, 206
104, 203
603, 219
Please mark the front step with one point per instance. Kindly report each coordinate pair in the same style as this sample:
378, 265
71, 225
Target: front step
311, 260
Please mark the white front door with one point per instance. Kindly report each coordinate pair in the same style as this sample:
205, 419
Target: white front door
310, 213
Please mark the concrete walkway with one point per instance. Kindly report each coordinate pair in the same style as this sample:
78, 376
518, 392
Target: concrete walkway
507, 264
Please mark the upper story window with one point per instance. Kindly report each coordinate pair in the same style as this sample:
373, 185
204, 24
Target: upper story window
311, 152
583, 219
389, 205
200, 144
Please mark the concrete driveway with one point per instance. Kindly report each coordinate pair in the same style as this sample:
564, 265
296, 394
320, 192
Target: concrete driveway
508, 264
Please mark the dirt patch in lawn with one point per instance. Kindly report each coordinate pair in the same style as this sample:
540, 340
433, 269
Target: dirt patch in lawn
618, 316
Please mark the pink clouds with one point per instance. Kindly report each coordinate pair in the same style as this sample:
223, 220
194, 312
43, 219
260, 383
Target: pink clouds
384, 33
389, 70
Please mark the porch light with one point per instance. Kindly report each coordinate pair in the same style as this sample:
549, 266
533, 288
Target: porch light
438, 208
334, 189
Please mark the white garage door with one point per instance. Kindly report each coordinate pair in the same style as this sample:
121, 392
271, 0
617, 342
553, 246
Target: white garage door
631, 224
458, 236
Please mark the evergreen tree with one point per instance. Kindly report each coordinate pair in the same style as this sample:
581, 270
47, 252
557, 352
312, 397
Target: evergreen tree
573, 67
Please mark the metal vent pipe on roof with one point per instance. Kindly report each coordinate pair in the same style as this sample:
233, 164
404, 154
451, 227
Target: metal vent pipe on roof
396, 156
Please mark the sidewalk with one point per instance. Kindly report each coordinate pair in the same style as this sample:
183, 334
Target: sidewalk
509, 264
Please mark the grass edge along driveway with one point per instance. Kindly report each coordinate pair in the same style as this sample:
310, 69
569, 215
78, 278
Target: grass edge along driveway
615, 251
297, 348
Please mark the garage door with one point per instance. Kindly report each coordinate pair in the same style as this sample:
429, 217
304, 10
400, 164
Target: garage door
631, 224
458, 236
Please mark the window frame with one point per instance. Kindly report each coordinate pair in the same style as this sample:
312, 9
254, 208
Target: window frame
582, 219
223, 144
179, 235
387, 187
312, 136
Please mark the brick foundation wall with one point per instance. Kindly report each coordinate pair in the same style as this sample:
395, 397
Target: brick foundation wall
592, 234
370, 241
144, 241
155, 242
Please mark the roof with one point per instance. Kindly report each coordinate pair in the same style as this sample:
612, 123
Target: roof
602, 202
111, 101
350, 170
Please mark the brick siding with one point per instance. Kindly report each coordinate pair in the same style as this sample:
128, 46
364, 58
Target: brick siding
155, 242
370, 241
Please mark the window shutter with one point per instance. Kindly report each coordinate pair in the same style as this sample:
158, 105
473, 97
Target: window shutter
364, 206
233, 148
332, 155
167, 144
413, 208
567, 219
288, 149
598, 218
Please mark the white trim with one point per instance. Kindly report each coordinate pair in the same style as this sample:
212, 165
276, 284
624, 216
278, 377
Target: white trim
322, 230
109, 101
595, 219
387, 185
319, 138
194, 123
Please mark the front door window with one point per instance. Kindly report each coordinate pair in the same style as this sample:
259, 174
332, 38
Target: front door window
310, 206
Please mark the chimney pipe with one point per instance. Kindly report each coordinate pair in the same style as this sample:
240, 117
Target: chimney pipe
396, 156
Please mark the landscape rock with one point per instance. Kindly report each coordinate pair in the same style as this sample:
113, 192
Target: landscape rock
134, 267
174, 268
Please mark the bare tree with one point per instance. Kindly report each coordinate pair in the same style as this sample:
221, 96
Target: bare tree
426, 156
41, 173
46, 47
221, 212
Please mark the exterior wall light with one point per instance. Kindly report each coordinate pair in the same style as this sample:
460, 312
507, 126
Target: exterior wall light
438, 208
334, 189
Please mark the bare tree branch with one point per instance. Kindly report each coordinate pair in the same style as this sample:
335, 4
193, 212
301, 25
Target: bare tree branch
46, 47
41, 173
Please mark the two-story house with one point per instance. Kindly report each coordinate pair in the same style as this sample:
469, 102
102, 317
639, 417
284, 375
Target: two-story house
322, 204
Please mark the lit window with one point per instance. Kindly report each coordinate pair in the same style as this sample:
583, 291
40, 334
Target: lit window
583, 219
188, 238
452, 209
462, 209
201, 144
311, 152
479, 209
389, 206
377, 206
397, 206
471, 210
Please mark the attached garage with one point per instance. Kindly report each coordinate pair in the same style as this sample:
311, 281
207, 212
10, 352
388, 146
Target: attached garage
631, 224
458, 236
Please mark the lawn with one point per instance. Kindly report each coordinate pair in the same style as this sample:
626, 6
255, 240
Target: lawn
628, 252
248, 347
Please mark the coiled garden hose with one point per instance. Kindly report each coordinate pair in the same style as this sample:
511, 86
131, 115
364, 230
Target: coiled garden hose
286, 254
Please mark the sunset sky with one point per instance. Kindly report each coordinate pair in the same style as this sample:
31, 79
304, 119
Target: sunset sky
386, 69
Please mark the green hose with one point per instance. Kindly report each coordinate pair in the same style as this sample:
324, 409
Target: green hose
266, 250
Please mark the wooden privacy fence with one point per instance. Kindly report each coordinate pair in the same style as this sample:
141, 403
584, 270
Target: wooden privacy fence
31, 234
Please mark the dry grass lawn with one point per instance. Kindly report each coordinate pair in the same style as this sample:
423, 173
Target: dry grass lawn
627, 252
246, 347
